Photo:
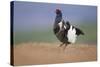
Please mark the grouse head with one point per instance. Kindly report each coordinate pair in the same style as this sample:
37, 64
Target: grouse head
58, 16
58, 11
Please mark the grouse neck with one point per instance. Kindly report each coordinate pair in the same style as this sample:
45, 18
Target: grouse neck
58, 18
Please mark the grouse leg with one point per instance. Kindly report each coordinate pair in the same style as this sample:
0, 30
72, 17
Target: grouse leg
61, 44
65, 46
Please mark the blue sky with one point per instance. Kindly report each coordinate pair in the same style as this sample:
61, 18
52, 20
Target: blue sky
32, 15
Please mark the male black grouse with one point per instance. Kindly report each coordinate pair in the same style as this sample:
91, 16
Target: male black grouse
65, 32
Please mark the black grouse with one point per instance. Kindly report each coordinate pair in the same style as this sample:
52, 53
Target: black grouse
64, 31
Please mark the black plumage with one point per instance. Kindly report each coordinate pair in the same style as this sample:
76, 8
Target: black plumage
64, 30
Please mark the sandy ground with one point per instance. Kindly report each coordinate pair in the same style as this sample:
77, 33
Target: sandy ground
50, 53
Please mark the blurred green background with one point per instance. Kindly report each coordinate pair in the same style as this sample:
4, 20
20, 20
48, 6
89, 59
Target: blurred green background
47, 35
